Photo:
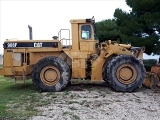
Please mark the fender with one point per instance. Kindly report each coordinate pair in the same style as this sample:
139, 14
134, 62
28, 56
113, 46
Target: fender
118, 52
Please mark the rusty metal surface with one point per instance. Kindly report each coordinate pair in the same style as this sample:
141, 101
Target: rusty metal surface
153, 78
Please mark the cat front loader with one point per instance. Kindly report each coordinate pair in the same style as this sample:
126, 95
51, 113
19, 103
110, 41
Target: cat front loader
51, 64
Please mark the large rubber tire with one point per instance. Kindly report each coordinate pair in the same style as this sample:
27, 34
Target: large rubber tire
104, 66
51, 74
124, 73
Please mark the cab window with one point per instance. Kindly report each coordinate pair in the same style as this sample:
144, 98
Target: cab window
86, 32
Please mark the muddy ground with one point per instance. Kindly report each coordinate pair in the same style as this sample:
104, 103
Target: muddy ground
97, 101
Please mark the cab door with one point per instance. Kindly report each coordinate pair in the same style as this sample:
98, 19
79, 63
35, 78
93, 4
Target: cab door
86, 38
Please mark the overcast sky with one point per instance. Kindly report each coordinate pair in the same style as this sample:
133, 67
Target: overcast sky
47, 17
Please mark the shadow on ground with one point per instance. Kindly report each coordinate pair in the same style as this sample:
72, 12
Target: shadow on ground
73, 86
82, 86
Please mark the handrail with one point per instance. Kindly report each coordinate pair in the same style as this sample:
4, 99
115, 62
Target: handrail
64, 39
59, 33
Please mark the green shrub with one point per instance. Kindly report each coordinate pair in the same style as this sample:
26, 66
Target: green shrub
148, 63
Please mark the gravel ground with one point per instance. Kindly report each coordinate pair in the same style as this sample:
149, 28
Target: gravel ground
99, 102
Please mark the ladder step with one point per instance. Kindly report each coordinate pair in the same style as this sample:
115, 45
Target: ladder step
21, 79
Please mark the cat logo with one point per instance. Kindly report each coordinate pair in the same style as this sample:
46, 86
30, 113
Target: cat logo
37, 44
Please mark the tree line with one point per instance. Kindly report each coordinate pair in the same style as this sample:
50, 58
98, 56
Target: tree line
139, 27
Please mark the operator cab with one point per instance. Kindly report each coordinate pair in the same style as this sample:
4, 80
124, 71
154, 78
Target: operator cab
83, 35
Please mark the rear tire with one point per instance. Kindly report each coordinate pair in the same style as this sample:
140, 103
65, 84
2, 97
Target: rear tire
124, 73
51, 74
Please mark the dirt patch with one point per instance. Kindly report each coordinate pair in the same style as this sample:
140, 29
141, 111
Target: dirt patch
99, 102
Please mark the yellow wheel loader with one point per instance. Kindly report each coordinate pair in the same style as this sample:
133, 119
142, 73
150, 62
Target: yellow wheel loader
51, 64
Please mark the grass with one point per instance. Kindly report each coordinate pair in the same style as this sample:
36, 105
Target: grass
14, 97
19, 101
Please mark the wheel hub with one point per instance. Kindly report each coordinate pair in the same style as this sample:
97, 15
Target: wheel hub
126, 73
50, 75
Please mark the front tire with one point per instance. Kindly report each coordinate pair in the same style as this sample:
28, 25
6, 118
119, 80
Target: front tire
51, 74
124, 73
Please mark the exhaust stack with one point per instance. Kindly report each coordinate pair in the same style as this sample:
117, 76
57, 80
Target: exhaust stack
30, 32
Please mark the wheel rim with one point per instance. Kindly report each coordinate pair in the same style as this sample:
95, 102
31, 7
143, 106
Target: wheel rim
50, 75
126, 73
